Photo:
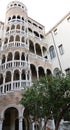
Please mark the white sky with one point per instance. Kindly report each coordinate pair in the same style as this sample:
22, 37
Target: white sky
47, 12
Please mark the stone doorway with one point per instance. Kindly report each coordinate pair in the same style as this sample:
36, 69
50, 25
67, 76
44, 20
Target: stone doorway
10, 119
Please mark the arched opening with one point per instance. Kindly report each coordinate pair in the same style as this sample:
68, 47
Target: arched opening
14, 17
44, 51
8, 76
26, 123
23, 56
11, 39
7, 29
16, 75
41, 72
6, 41
23, 39
31, 46
36, 34
49, 72
3, 59
23, 75
11, 119
38, 49
30, 30
17, 38
12, 27
23, 28
41, 36
17, 56
1, 79
18, 17
33, 73
18, 26
9, 58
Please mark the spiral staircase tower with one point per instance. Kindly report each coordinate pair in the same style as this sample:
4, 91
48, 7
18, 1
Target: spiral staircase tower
23, 60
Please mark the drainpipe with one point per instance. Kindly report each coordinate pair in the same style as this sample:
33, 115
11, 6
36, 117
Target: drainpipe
56, 51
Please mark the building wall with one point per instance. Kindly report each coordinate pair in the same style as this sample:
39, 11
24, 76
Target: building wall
58, 36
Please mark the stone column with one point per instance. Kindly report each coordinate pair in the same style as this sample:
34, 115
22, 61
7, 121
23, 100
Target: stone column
1, 124
20, 123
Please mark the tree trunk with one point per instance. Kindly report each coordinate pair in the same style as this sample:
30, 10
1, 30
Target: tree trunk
64, 109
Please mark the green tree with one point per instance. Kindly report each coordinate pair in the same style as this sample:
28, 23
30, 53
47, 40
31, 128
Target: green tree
46, 95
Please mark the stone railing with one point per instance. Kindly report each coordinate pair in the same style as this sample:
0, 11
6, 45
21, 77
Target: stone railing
13, 86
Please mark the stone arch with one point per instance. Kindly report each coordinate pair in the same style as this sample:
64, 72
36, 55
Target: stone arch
1, 78
23, 75
9, 57
44, 51
23, 56
17, 38
7, 29
31, 46
16, 75
12, 27
17, 56
41, 71
23, 39
18, 26
3, 59
11, 39
6, 40
8, 77
49, 72
33, 72
38, 49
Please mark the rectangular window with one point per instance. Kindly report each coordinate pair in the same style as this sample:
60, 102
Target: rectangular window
61, 50
67, 71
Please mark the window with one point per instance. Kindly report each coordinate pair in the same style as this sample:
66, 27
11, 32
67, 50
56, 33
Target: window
67, 71
61, 50
52, 52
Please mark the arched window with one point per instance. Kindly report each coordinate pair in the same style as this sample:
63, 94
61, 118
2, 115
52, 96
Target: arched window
52, 52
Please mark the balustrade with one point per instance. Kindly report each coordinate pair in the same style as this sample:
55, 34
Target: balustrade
15, 63
16, 85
